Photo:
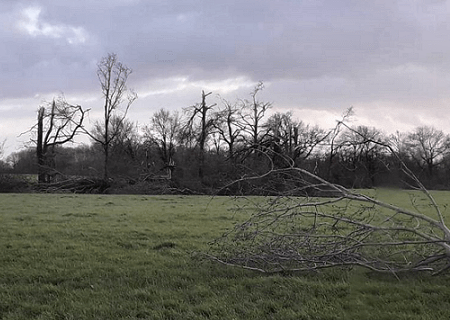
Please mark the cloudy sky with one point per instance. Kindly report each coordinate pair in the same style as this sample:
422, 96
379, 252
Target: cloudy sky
389, 59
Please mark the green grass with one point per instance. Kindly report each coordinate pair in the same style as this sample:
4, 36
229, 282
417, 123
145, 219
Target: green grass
133, 257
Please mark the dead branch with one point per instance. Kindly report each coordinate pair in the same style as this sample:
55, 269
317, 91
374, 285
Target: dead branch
75, 185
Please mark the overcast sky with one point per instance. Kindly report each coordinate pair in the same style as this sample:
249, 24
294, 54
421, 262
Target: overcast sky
388, 59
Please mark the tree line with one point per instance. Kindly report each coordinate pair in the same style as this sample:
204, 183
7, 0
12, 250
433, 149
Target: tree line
204, 147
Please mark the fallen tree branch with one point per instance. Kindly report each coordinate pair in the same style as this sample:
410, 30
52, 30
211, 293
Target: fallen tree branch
348, 228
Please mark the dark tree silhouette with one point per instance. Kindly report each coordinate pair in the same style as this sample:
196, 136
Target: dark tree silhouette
199, 126
227, 125
163, 133
428, 146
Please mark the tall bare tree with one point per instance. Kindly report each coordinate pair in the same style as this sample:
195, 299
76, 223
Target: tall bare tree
57, 124
113, 76
254, 112
199, 126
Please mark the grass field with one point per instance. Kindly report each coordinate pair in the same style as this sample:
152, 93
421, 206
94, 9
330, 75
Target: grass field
133, 257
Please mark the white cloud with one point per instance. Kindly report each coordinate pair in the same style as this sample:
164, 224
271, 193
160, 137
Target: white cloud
180, 83
224, 86
79, 36
31, 23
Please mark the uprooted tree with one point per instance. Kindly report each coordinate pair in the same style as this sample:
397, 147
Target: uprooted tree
315, 224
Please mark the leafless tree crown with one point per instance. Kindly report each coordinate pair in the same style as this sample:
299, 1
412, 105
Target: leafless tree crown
113, 76
57, 124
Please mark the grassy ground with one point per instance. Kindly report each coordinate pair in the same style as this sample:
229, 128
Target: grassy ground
131, 257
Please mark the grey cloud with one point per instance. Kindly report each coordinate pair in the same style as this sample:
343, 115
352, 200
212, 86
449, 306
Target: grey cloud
259, 38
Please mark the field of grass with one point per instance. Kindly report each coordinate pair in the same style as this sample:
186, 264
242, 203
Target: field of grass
134, 257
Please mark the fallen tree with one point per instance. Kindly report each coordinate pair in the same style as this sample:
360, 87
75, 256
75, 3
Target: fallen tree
75, 185
341, 227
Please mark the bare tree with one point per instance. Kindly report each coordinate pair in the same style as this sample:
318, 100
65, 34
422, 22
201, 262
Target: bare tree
113, 76
293, 138
332, 140
362, 154
399, 143
199, 126
163, 132
428, 146
282, 136
127, 136
254, 112
227, 125
57, 124
341, 227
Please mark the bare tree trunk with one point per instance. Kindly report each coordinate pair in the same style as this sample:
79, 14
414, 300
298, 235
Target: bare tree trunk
203, 134
105, 161
39, 147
